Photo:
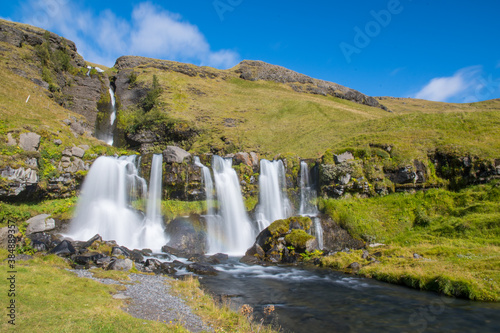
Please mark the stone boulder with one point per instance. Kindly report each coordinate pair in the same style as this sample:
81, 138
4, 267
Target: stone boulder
175, 154
242, 158
29, 141
121, 265
64, 249
187, 236
282, 242
40, 223
202, 269
77, 151
347, 156
335, 238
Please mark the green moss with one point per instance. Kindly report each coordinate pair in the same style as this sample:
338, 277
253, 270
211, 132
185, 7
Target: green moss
279, 227
298, 238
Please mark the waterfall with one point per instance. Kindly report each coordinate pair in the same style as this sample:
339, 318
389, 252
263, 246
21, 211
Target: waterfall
318, 231
104, 206
112, 118
209, 186
234, 232
153, 233
307, 202
307, 192
105, 128
273, 200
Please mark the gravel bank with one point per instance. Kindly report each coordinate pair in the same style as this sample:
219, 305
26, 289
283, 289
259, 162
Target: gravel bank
149, 297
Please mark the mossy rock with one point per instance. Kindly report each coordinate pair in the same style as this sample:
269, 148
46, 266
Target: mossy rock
298, 239
279, 227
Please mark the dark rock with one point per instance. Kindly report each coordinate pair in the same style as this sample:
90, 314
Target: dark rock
256, 249
119, 251
152, 264
103, 262
198, 258
202, 269
335, 238
178, 264
167, 268
219, 257
250, 260
63, 249
121, 265
146, 252
184, 237
136, 255
258, 70
88, 258
96, 238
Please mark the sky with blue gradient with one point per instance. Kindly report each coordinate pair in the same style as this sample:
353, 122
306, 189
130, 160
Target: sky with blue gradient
443, 50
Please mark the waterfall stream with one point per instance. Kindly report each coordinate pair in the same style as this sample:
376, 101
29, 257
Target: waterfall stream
273, 199
105, 127
104, 206
153, 233
308, 202
234, 233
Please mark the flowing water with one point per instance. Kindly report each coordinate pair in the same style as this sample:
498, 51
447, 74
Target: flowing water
153, 233
323, 301
308, 198
234, 233
273, 200
104, 206
105, 129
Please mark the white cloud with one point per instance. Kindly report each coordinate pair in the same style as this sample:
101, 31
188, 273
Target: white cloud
463, 86
151, 32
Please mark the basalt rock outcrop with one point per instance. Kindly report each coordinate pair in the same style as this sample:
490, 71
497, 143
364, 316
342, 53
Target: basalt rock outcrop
259, 70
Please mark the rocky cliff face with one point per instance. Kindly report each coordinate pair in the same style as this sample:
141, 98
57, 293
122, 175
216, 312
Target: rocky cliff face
259, 70
73, 86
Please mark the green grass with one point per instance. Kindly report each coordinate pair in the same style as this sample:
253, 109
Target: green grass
458, 233
51, 299
20, 212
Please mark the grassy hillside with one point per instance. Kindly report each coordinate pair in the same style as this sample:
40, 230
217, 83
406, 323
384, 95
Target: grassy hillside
455, 234
271, 118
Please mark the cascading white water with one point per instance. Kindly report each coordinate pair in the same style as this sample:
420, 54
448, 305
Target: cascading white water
209, 186
307, 202
235, 233
273, 200
112, 118
307, 192
104, 206
318, 231
153, 233
214, 222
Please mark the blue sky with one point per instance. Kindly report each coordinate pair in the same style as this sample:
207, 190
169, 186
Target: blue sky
440, 50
